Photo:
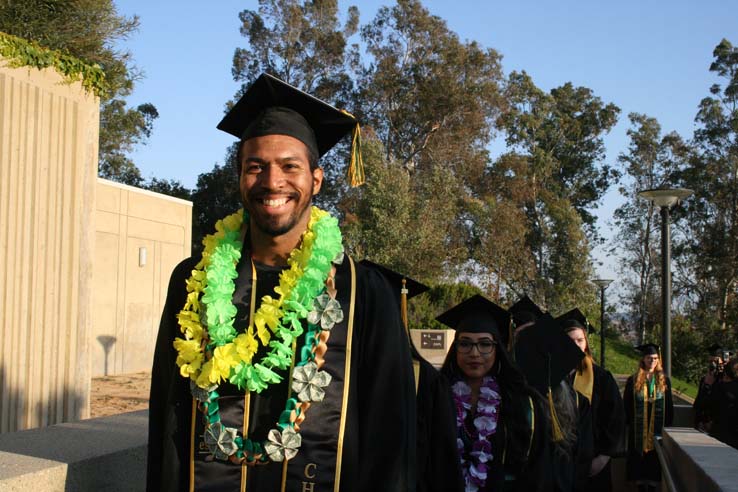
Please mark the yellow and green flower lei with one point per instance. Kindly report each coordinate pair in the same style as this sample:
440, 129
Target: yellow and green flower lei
211, 352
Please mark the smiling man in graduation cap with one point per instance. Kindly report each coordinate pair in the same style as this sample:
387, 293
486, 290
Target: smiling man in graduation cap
277, 364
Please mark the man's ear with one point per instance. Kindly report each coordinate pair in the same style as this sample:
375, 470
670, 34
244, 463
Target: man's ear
317, 179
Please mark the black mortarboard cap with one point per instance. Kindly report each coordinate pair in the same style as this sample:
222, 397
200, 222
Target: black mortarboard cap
575, 319
525, 311
271, 106
478, 315
648, 349
414, 288
545, 354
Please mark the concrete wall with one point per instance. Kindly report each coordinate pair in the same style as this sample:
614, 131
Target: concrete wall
130, 293
105, 454
698, 462
48, 169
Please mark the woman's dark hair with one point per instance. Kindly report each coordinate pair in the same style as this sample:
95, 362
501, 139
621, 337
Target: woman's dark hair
564, 400
515, 392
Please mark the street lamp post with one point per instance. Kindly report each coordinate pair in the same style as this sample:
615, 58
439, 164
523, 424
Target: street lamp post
602, 283
665, 198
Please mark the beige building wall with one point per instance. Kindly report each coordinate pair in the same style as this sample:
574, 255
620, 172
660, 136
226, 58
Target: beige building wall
140, 238
48, 169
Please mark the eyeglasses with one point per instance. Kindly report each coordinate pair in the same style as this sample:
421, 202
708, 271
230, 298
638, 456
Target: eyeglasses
483, 346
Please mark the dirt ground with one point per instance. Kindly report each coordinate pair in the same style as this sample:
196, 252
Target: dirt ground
111, 395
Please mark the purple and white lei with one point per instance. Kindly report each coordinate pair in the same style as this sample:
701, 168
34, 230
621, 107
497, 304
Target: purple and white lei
485, 425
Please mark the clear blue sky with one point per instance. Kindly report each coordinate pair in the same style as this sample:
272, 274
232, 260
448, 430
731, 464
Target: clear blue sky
648, 56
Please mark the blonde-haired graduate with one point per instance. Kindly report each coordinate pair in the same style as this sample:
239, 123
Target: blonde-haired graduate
608, 413
649, 408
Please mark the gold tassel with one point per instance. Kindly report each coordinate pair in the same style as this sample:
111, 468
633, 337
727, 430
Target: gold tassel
356, 166
555, 426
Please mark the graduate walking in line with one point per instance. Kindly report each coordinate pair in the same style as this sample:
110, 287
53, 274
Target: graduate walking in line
500, 427
608, 413
648, 408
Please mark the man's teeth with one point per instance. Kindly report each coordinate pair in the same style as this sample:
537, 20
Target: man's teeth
275, 203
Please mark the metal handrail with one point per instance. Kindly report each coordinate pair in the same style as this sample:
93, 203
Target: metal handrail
665, 472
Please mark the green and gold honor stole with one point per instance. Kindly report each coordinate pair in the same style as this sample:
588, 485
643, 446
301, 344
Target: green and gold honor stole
649, 405
212, 351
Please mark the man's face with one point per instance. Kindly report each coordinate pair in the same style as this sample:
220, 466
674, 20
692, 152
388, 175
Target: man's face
277, 185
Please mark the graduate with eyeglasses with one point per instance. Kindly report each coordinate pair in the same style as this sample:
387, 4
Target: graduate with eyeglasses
501, 432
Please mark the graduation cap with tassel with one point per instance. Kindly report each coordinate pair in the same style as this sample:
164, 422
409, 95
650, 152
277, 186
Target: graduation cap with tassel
546, 355
271, 106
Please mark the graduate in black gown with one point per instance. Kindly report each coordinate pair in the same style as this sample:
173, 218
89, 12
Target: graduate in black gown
547, 357
715, 367
608, 413
723, 405
278, 364
438, 467
648, 408
501, 429
524, 313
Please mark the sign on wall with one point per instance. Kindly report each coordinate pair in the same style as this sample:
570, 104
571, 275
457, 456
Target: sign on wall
430, 340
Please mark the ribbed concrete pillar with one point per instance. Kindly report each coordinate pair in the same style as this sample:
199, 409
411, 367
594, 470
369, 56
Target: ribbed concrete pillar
48, 168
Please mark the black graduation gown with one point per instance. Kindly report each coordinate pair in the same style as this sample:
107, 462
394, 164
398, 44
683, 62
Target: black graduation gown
701, 405
608, 425
380, 417
438, 460
723, 404
644, 466
569, 473
526, 473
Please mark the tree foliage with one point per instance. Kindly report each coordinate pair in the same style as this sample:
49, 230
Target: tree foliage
652, 161
89, 30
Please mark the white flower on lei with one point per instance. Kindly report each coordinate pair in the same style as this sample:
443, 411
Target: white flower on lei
282, 445
221, 440
326, 312
308, 382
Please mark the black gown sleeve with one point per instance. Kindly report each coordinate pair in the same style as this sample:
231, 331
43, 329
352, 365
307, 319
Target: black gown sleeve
535, 476
386, 390
629, 410
628, 401
701, 403
584, 451
609, 421
159, 465
439, 469
669, 405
